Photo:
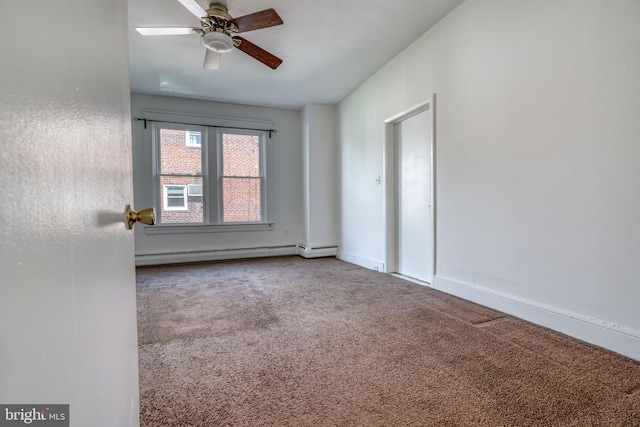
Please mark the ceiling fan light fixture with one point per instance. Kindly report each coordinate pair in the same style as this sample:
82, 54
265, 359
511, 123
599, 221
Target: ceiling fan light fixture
217, 41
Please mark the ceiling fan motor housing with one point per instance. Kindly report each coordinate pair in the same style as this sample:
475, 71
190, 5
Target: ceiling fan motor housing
217, 29
219, 11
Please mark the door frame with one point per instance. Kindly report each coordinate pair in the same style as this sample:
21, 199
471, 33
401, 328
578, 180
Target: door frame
390, 182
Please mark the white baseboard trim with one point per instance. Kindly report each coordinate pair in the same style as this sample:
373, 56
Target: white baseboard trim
411, 279
617, 338
361, 261
324, 251
214, 255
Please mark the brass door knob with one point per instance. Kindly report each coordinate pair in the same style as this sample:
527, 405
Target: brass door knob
145, 216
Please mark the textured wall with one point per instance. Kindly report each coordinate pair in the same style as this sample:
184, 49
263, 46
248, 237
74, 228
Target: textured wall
67, 310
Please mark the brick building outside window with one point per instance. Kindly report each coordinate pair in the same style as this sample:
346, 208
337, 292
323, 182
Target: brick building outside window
208, 176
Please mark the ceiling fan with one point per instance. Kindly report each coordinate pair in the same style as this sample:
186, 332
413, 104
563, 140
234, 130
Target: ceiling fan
219, 31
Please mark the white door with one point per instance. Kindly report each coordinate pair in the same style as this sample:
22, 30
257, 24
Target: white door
414, 234
67, 304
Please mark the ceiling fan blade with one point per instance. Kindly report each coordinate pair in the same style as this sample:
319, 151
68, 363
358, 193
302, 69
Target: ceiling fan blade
255, 21
211, 60
194, 7
259, 53
167, 31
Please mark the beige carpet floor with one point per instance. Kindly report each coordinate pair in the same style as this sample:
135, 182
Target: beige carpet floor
295, 342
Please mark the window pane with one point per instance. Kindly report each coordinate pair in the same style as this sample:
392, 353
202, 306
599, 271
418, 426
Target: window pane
175, 191
176, 155
177, 205
194, 190
175, 202
241, 199
241, 155
193, 138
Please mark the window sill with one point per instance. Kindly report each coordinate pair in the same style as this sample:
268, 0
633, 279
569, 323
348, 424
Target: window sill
196, 229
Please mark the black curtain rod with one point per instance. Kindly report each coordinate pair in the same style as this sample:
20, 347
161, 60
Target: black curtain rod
139, 119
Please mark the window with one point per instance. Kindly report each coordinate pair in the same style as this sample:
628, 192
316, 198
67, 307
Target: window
241, 177
220, 179
179, 165
174, 197
193, 139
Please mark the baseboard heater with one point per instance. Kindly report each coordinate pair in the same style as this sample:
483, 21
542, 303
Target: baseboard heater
317, 252
215, 255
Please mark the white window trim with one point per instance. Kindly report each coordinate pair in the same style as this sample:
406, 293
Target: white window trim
199, 228
185, 197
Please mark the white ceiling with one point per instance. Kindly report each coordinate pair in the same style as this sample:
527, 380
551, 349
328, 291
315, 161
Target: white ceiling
329, 47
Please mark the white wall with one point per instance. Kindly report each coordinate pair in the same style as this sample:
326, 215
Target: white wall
284, 168
320, 172
537, 150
